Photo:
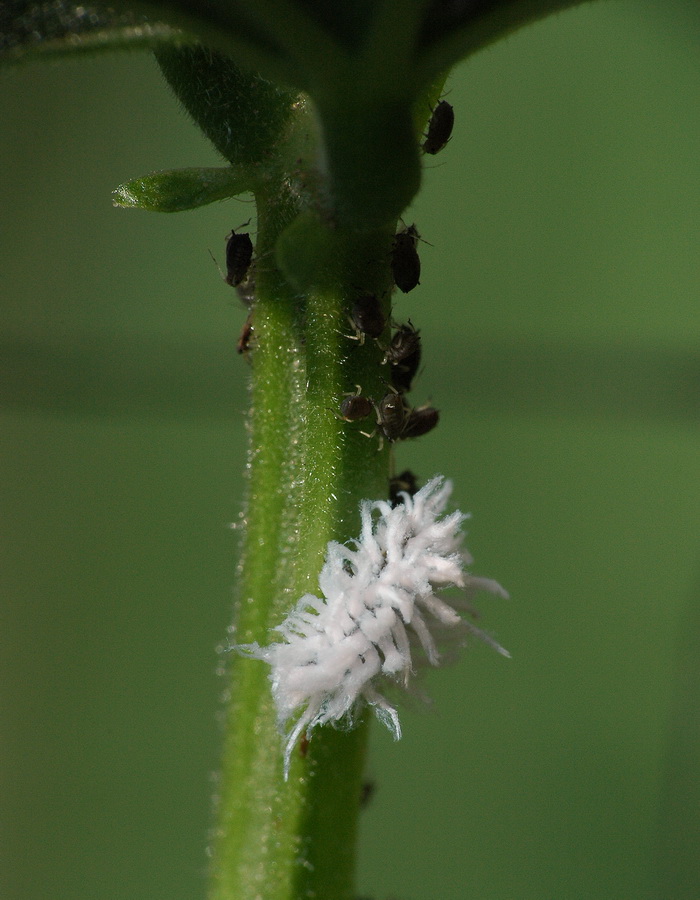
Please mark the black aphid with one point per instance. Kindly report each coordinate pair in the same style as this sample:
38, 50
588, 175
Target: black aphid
239, 252
404, 343
405, 483
420, 421
355, 407
404, 354
391, 415
403, 373
367, 316
405, 262
439, 128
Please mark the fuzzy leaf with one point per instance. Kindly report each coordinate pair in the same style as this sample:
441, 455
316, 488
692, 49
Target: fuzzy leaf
243, 115
453, 30
180, 189
293, 43
29, 30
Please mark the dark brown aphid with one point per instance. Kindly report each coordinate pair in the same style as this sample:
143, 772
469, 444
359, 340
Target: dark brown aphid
403, 373
245, 336
405, 262
404, 354
405, 341
420, 421
355, 407
405, 483
439, 128
239, 252
303, 746
391, 415
367, 316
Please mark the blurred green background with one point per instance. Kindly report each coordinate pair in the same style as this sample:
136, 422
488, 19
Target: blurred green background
560, 310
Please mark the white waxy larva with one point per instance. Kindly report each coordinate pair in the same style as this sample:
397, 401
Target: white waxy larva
376, 597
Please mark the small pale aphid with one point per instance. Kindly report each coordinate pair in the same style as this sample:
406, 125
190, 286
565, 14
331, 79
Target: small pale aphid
405, 262
439, 128
354, 407
367, 316
391, 415
239, 252
420, 421
243, 345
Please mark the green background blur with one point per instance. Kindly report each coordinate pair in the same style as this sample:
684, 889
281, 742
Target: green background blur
560, 310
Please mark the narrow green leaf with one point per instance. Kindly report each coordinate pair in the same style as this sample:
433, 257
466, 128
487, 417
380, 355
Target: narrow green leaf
179, 189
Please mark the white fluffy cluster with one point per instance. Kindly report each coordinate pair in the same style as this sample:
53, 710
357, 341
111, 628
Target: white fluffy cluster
336, 647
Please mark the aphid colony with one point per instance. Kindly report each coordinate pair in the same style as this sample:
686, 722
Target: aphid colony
395, 419
366, 314
379, 607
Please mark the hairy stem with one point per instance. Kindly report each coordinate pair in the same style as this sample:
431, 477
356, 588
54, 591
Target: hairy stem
307, 472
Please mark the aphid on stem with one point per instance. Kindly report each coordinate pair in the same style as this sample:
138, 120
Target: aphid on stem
404, 354
398, 422
391, 415
405, 262
403, 483
404, 342
439, 128
403, 373
354, 406
367, 317
239, 252
245, 337
420, 421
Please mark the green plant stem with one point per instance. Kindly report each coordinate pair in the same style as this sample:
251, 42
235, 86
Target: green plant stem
307, 472
328, 197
